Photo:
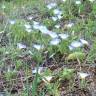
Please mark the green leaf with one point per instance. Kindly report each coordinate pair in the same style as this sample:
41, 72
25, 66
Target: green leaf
76, 55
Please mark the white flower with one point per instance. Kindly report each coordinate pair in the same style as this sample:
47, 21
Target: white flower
57, 12
78, 2
84, 42
63, 36
54, 18
21, 46
59, 16
38, 47
55, 41
40, 69
63, 0
83, 75
36, 25
91, 0
12, 22
6, 52
28, 30
52, 34
29, 17
47, 79
69, 25
43, 29
76, 44
71, 48
51, 5
57, 26
27, 26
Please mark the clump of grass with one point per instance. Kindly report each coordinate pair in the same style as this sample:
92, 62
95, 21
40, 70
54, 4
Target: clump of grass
66, 74
49, 23
76, 55
91, 55
10, 75
18, 64
18, 33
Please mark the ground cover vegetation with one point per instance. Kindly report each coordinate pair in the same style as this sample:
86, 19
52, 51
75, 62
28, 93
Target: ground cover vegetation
47, 48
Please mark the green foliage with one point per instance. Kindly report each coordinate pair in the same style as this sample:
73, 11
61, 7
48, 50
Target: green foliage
10, 75
76, 56
47, 72
52, 49
18, 33
8, 9
37, 56
53, 89
34, 84
91, 55
48, 22
63, 47
94, 8
18, 64
66, 74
